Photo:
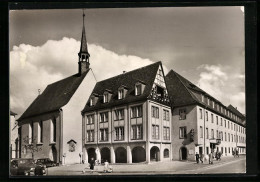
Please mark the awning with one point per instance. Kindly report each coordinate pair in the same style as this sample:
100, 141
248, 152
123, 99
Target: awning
215, 141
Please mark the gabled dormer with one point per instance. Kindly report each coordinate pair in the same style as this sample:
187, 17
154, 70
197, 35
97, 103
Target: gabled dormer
122, 90
107, 96
159, 91
93, 99
139, 87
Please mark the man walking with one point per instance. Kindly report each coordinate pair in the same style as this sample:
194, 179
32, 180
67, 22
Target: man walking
197, 157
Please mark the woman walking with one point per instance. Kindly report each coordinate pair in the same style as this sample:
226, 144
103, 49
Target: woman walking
92, 164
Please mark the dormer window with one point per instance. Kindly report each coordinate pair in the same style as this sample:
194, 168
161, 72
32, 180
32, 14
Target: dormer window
202, 98
120, 94
105, 97
93, 99
138, 89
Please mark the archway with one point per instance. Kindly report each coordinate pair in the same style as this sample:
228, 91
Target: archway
105, 154
121, 155
155, 154
138, 155
166, 153
183, 153
91, 153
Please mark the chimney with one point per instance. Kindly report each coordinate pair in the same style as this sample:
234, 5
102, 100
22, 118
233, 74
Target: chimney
124, 72
39, 91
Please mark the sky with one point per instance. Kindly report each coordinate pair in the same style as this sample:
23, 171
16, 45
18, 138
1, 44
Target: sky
203, 44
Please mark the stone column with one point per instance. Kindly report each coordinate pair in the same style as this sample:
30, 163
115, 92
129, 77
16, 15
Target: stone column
98, 155
161, 153
112, 155
85, 155
147, 150
129, 154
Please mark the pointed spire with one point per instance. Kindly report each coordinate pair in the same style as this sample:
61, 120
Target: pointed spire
83, 46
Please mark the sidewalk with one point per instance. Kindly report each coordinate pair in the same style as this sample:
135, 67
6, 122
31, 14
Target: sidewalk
154, 167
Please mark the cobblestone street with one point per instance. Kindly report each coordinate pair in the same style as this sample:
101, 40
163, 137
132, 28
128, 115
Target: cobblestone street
226, 165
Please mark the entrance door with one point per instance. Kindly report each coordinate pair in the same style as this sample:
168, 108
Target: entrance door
154, 154
200, 150
183, 153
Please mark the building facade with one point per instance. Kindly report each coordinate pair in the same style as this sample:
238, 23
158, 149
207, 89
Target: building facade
51, 126
127, 118
201, 123
13, 139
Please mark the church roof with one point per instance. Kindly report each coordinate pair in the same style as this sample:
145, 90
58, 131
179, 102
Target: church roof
182, 92
129, 79
55, 96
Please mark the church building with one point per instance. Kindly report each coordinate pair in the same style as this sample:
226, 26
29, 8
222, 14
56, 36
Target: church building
51, 126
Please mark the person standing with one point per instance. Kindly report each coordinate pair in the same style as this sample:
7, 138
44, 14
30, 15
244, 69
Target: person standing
92, 164
211, 158
197, 157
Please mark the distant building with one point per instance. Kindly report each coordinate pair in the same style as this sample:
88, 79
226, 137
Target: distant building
201, 123
13, 131
53, 120
127, 118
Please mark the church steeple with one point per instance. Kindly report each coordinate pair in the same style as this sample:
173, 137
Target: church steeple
83, 52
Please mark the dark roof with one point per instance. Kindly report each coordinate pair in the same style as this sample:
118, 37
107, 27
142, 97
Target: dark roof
235, 111
54, 96
129, 79
182, 92
12, 113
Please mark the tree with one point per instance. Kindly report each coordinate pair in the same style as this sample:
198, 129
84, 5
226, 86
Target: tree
30, 145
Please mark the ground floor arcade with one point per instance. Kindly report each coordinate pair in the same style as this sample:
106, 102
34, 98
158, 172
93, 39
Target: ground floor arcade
128, 152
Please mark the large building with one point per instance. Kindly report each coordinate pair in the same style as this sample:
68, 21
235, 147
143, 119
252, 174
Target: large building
142, 116
51, 126
13, 131
202, 123
127, 118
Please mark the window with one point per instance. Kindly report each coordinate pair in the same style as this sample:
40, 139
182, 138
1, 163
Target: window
104, 134
213, 104
53, 130
207, 133
217, 120
136, 111
202, 98
138, 89
91, 102
229, 137
231, 126
201, 132
200, 113
183, 132
221, 124
217, 134
120, 93
212, 133
105, 98
155, 131
225, 136
182, 113
166, 115
90, 135
30, 133
208, 101
90, 119
120, 133
103, 117
166, 153
212, 118
166, 133
207, 117
40, 132
119, 114
225, 123
137, 132
155, 112
228, 124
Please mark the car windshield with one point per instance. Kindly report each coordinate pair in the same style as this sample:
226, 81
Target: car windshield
25, 161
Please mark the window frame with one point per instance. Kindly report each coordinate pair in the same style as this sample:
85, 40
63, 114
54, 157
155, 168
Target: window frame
184, 136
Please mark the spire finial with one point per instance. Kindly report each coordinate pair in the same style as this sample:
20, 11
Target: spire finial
83, 15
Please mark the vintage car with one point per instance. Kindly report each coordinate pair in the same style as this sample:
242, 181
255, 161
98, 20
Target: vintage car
24, 166
46, 161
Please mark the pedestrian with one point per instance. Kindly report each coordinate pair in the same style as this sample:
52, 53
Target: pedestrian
219, 156
106, 166
92, 164
201, 157
210, 158
233, 153
237, 154
197, 157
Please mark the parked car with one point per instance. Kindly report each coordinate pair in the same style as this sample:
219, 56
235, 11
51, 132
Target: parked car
46, 161
24, 166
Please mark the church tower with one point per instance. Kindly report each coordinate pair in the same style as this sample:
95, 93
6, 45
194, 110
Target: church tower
83, 52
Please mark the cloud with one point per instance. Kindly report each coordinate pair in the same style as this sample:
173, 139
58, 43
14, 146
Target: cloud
223, 84
34, 67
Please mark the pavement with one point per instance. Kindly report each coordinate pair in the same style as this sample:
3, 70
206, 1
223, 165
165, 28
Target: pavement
165, 167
